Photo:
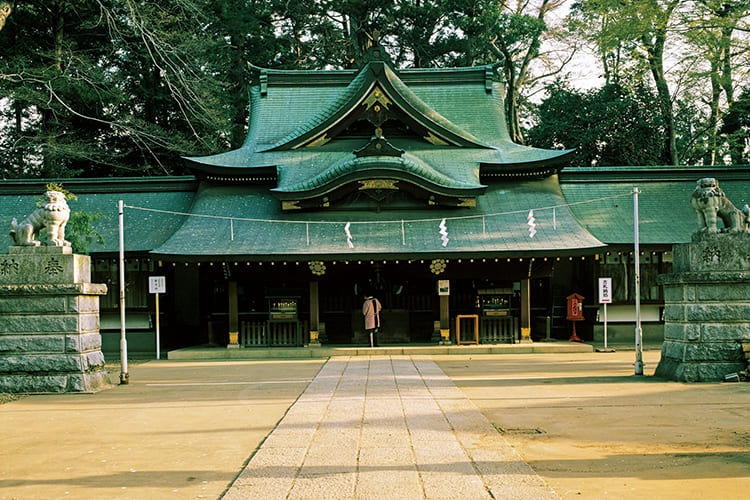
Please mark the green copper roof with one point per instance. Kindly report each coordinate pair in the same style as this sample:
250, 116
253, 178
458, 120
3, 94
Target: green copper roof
402, 168
461, 108
259, 230
665, 214
594, 206
144, 230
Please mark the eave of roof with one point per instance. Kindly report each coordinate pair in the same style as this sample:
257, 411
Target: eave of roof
84, 185
659, 173
551, 162
405, 168
252, 226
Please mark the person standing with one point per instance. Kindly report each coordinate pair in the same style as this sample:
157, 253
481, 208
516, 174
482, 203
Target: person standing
371, 312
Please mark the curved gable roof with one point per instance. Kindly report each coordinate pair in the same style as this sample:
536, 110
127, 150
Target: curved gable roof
345, 108
405, 168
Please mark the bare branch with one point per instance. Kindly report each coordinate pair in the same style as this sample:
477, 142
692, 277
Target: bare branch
5, 10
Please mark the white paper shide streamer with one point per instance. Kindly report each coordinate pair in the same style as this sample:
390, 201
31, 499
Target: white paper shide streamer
532, 224
444, 233
348, 235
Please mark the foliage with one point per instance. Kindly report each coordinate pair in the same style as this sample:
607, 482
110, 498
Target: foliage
56, 186
124, 87
646, 24
736, 128
80, 231
693, 52
611, 125
101, 88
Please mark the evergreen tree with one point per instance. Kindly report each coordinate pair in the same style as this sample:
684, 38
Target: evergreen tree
608, 126
736, 129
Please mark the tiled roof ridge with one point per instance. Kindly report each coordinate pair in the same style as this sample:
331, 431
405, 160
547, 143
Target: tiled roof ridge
304, 74
87, 185
655, 173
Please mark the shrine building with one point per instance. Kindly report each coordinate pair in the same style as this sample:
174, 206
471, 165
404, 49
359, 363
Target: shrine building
403, 184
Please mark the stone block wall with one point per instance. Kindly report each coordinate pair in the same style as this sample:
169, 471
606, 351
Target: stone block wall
49, 322
707, 309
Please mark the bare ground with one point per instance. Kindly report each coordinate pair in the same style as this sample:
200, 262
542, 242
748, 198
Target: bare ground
594, 430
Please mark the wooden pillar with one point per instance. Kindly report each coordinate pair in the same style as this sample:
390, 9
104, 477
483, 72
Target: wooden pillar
314, 314
234, 317
525, 312
445, 315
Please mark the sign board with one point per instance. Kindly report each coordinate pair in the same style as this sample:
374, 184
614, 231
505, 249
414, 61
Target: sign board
157, 284
444, 287
605, 290
575, 307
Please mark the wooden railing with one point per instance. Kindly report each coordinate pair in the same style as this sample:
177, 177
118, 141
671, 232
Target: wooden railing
272, 333
498, 330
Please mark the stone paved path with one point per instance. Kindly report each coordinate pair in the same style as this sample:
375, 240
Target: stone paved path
385, 427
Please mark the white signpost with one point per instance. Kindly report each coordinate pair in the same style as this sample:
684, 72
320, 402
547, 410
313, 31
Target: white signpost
157, 285
605, 297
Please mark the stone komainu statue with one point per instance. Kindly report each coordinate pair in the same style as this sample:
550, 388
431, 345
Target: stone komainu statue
710, 203
52, 215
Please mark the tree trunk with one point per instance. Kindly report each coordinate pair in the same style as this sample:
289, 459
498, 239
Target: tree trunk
726, 63
656, 64
50, 125
713, 118
58, 34
18, 128
239, 91
511, 102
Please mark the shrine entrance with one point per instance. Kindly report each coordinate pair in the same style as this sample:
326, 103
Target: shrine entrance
293, 303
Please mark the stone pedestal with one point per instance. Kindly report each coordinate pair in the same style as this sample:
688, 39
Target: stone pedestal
707, 308
49, 322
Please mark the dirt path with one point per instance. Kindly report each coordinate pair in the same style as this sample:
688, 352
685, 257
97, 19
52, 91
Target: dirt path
593, 430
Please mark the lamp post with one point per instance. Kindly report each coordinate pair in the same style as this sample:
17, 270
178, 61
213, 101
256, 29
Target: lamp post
124, 376
638, 331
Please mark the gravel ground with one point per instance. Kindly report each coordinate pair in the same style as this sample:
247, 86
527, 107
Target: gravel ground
7, 398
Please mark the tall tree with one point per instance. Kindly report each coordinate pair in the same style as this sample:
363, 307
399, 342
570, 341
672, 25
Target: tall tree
50, 61
612, 125
736, 128
123, 87
169, 69
513, 34
647, 24
108, 87
710, 27
242, 31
